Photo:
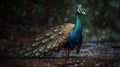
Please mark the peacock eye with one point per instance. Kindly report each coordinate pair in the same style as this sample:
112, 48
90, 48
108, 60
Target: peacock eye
51, 37
38, 37
40, 49
37, 54
60, 33
33, 44
48, 47
46, 50
63, 37
59, 41
47, 34
55, 30
43, 41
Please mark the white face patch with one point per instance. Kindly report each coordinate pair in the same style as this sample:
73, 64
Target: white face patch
80, 10
79, 5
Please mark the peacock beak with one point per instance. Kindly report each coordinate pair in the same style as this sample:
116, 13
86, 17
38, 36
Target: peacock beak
83, 12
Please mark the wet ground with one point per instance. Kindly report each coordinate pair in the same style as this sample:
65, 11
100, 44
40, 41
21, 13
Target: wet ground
95, 50
91, 55
61, 62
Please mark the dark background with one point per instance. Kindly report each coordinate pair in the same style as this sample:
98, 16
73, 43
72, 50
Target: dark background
22, 20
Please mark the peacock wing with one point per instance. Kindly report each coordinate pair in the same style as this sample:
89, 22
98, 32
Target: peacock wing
46, 44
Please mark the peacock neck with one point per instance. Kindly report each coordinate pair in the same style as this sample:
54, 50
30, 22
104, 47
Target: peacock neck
77, 23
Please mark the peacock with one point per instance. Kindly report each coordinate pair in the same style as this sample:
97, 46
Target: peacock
67, 36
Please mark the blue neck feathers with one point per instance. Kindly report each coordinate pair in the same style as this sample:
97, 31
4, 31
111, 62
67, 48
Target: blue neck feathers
76, 33
77, 30
77, 24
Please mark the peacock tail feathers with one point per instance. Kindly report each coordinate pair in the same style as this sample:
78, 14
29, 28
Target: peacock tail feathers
47, 43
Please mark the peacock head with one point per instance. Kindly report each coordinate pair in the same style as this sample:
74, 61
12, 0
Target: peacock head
80, 10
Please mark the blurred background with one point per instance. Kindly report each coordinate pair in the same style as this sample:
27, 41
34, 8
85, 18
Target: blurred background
22, 20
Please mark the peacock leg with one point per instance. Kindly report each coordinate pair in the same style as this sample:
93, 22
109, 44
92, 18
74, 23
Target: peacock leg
66, 51
78, 48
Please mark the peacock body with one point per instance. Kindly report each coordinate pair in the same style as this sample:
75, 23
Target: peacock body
66, 36
46, 44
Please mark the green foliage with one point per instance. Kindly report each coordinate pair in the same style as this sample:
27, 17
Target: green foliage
102, 14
